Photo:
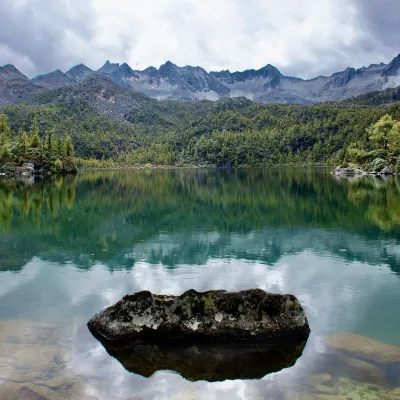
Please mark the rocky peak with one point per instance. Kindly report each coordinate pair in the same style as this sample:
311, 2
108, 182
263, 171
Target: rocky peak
269, 71
393, 68
343, 77
167, 68
150, 71
9, 73
53, 80
108, 68
79, 72
125, 69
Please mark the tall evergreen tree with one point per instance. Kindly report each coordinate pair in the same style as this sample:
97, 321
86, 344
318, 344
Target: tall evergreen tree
69, 147
5, 130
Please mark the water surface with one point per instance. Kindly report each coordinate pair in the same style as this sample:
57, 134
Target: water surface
71, 246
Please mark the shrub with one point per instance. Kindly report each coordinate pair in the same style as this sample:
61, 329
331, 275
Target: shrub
377, 165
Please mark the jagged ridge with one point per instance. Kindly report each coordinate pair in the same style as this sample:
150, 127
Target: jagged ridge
170, 82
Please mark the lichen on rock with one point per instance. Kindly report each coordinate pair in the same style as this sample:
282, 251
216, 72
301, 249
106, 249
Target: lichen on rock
218, 315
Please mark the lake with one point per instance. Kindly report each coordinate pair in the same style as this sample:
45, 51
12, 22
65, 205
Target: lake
70, 246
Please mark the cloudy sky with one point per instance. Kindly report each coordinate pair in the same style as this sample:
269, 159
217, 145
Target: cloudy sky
301, 37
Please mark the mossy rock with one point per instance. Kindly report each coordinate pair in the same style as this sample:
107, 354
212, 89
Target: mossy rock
246, 315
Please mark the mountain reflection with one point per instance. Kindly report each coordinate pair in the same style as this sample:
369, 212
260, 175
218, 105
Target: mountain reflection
177, 217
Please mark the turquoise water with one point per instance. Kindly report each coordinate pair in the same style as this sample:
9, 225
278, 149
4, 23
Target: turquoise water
71, 246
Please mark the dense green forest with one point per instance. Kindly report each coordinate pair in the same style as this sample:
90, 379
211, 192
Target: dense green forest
48, 154
227, 133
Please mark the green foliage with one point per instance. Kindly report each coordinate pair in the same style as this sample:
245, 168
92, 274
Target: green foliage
69, 147
397, 166
23, 142
379, 134
5, 152
20, 149
58, 165
36, 142
226, 133
35, 127
377, 165
5, 130
380, 145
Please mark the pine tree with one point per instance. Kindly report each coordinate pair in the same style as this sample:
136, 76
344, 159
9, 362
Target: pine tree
49, 145
5, 130
5, 151
35, 130
69, 147
23, 141
35, 141
61, 147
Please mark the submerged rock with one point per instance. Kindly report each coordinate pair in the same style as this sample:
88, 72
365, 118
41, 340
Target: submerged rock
210, 362
193, 316
364, 347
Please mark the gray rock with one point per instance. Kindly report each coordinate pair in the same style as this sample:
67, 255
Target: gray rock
193, 316
26, 170
348, 171
386, 171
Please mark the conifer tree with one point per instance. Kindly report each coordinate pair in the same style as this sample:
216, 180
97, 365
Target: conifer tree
69, 147
35, 141
5, 130
23, 141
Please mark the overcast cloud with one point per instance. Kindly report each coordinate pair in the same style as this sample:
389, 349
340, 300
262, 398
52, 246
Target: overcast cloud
303, 38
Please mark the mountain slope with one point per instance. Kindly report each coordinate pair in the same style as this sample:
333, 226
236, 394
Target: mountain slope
52, 80
103, 95
14, 86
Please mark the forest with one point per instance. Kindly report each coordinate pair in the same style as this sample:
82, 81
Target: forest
226, 133
48, 154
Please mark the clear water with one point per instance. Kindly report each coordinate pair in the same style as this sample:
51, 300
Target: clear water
71, 246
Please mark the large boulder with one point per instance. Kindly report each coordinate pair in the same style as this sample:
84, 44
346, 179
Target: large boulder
193, 316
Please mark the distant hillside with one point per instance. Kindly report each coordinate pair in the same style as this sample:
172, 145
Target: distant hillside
377, 98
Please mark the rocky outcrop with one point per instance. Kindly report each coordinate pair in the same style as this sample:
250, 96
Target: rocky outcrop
208, 361
26, 170
348, 171
248, 315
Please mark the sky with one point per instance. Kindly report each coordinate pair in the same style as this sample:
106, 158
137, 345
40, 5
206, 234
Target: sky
303, 38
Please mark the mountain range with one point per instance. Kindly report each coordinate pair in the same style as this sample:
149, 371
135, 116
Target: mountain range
170, 82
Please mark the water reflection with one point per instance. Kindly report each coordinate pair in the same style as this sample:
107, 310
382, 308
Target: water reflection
71, 246
108, 216
210, 362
